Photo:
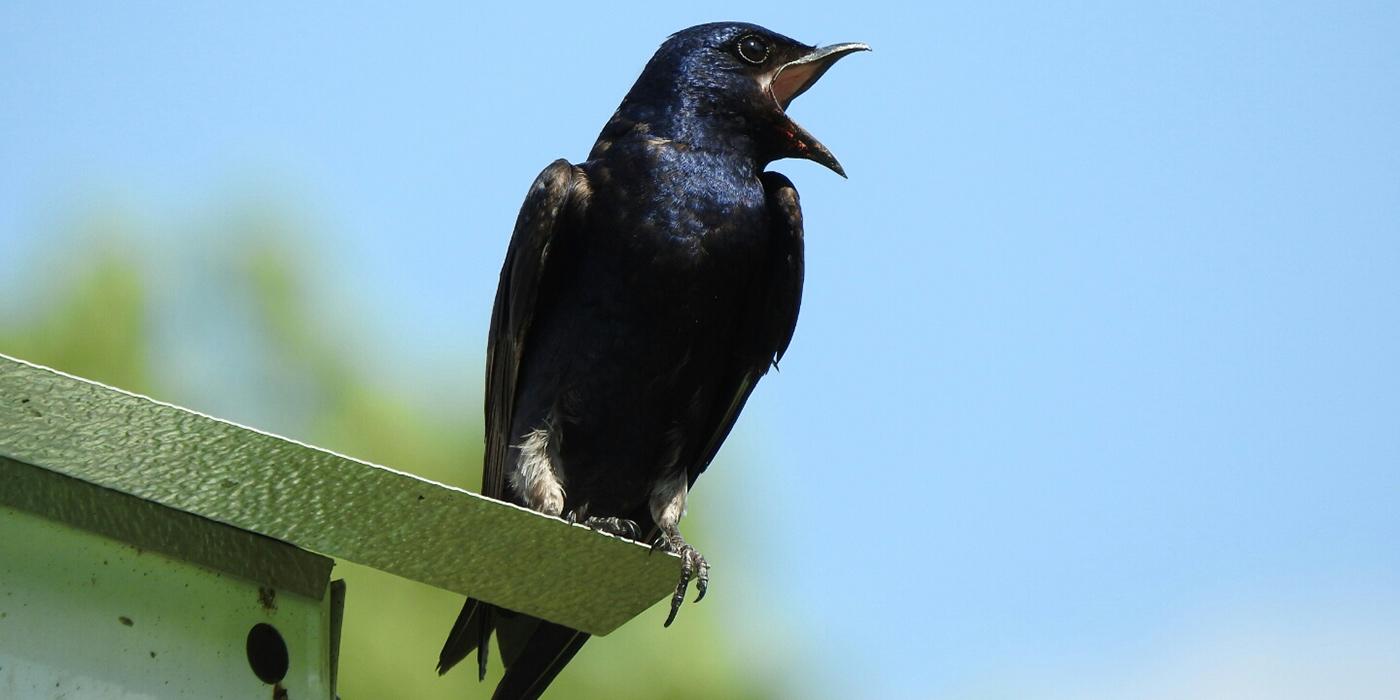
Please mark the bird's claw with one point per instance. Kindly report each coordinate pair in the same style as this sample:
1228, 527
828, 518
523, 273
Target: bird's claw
692, 566
617, 527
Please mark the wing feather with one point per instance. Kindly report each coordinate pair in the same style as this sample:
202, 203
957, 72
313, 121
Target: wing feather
770, 323
543, 219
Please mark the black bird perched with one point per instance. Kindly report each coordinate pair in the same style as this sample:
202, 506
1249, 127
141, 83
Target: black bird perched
644, 293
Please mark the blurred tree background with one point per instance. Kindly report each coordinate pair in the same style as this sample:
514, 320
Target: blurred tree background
226, 321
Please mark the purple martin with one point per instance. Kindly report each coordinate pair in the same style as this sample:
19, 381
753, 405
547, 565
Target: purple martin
644, 293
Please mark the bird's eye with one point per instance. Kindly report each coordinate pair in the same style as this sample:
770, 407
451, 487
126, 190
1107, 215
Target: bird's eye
753, 49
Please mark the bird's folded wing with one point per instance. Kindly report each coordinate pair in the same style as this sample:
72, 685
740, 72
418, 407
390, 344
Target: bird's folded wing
543, 220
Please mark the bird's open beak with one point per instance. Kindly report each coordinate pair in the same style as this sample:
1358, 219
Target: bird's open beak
792, 79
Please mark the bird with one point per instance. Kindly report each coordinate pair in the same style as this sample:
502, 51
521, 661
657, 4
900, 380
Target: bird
644, 293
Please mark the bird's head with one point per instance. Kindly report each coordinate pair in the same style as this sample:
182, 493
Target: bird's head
731, 83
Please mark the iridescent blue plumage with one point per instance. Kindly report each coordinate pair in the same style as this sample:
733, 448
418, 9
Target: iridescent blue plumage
644, 293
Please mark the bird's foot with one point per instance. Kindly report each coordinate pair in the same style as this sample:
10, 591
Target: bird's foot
692, 566
617, 527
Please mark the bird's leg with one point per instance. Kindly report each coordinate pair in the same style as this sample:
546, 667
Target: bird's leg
536, 477
667, 507
693, 565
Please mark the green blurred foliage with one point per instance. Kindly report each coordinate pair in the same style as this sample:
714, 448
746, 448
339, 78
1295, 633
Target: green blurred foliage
96, 320
96, 328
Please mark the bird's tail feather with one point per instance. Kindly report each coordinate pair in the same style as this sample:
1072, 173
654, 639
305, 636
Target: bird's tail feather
533, 651
471, 632
536, 656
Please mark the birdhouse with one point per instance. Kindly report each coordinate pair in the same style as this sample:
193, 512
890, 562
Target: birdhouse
150, 551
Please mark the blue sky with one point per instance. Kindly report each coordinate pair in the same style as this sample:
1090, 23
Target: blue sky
1094, 392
